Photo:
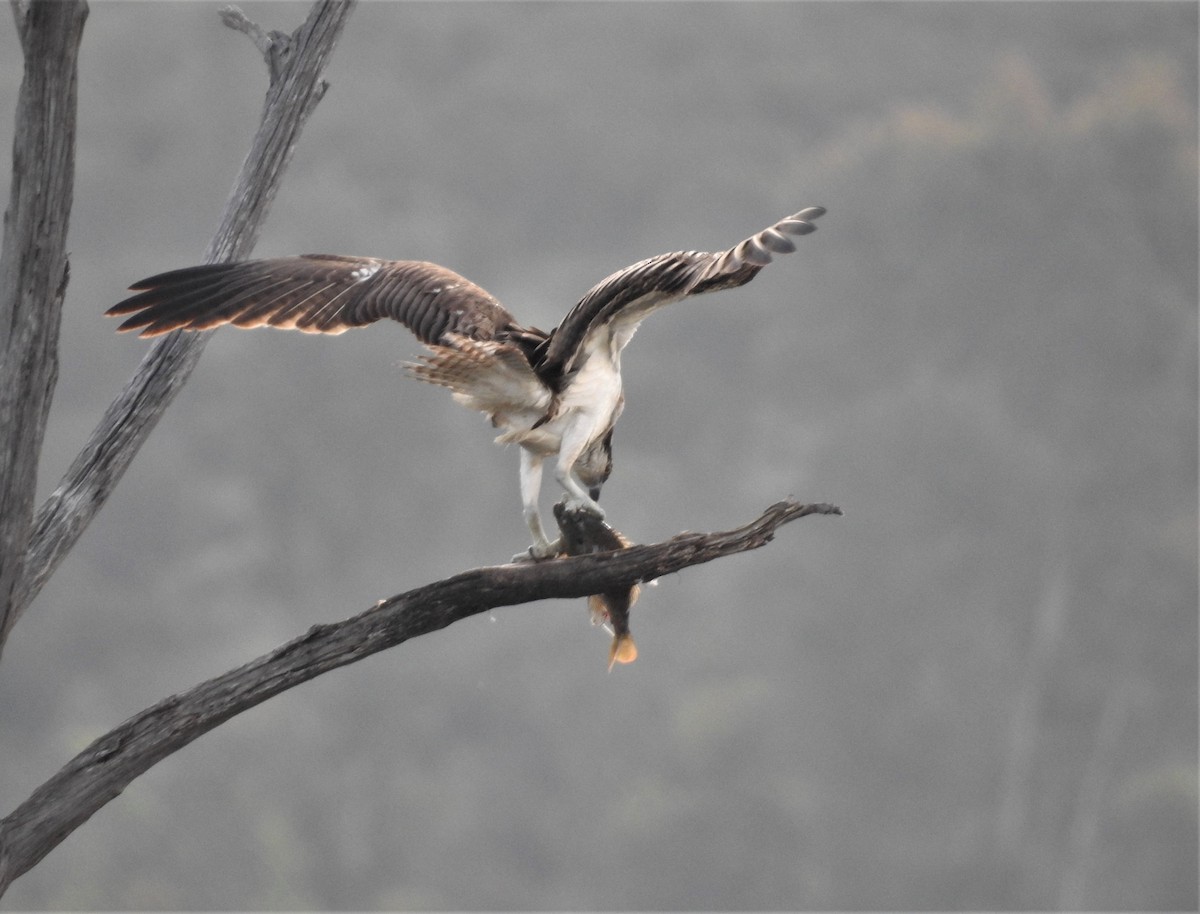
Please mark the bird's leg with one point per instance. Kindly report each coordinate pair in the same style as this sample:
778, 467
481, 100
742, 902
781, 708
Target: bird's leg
575, 441
531, 485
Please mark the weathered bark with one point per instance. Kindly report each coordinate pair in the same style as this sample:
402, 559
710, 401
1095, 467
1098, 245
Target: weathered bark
33, 268
108, 765
295, 63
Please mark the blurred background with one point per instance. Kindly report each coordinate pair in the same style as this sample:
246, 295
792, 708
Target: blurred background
976, 690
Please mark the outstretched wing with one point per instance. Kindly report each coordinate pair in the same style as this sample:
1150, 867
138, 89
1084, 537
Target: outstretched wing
316, 293
627, 296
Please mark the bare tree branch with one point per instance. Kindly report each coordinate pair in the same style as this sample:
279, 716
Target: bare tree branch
33, 269
113, 761
296, 63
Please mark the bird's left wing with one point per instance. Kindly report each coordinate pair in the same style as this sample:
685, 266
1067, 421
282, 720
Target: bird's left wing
316, 293
630, 294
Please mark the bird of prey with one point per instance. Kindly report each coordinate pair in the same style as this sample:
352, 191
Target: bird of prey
555, 394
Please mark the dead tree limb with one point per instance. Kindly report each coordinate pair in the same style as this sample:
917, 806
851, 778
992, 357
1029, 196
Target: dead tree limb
295, 63
33, 268
113, 761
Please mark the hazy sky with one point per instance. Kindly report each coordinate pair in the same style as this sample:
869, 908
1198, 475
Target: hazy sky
978, 689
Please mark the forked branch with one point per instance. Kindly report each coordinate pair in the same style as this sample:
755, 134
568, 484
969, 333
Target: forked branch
108, 765
295, 63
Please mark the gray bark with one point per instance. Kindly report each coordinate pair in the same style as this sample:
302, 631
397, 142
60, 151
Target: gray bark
33, 269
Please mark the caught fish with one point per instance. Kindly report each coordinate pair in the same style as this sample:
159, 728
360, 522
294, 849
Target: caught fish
583, 534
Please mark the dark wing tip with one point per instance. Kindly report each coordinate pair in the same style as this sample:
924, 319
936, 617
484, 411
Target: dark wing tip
150, 305
757, 250
120, 308
142, 318
150, 327
138, 322
740, 263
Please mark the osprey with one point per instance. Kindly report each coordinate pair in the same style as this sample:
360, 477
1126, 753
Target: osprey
554, 394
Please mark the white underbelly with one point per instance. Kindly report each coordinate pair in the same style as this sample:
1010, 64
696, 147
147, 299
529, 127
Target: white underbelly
587, 407
595, 388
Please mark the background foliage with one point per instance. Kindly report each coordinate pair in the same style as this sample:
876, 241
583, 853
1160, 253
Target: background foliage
979, 689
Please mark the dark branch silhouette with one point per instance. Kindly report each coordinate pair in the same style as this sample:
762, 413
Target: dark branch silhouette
112, 762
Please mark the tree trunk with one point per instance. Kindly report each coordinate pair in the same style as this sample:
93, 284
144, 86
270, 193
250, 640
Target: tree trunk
33, 269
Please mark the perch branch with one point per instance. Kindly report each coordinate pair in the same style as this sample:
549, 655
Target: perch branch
295, 89
109, 764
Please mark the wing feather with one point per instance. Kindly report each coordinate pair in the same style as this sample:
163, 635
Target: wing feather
632, 293
316, 293
491, 376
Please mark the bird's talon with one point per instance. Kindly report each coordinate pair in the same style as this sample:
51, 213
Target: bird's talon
539, 552
590, 507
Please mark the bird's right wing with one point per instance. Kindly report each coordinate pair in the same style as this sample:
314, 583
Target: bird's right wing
628, 295
316, 293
